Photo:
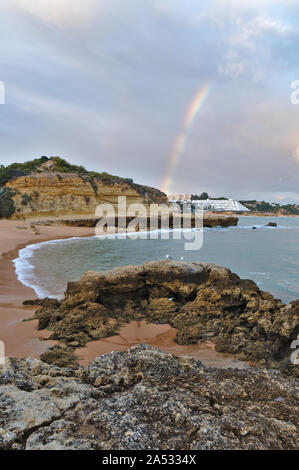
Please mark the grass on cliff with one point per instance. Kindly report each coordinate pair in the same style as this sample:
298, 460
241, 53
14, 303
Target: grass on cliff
15, 170
59, 165
7, 207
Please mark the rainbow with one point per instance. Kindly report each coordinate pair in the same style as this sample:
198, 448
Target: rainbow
180, 140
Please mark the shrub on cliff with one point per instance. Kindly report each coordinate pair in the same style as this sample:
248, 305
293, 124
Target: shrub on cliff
62, 166
7, 207
9, 173
287, 209
15, 170
26, 198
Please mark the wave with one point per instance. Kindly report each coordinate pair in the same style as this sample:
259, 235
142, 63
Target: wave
259, 274
24, 266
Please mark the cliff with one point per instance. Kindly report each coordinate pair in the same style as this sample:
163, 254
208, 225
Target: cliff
53, 194
145, 399
203, 301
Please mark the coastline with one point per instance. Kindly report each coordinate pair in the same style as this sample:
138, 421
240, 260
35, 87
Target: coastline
22, 338
266, 214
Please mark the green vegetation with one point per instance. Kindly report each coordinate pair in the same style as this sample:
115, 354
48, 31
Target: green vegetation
262, 206
20, 169
10, 172
204, 196
62, 166
15, 170
26, 198
6, 203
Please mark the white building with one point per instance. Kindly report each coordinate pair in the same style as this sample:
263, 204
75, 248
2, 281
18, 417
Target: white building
220, 205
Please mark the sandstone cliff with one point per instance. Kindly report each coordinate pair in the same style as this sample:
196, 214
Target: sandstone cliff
145, 399
50, 193
202, 301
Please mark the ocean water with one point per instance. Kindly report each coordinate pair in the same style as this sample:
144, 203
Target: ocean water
269, 256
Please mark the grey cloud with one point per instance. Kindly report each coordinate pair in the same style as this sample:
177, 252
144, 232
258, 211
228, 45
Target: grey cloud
111, 92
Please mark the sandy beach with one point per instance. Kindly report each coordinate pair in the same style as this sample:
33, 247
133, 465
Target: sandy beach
158, 336
22, 338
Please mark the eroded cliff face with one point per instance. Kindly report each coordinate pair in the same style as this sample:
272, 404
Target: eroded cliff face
48, 193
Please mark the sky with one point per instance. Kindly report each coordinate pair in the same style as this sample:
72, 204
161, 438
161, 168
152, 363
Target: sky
110, 84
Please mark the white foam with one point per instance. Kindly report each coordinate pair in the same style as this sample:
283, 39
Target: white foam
259, 274
24, 266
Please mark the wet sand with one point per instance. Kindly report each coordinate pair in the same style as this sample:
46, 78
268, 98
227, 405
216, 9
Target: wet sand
23, 339
159, 336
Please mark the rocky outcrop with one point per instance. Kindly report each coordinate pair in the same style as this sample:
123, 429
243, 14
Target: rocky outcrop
203, 301
49, 193
145, 399
219, 220
210, 221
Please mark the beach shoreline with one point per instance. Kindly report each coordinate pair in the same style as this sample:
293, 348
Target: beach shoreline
22, 338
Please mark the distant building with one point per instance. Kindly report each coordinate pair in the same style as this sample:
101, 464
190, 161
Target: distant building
220, 205
217, 205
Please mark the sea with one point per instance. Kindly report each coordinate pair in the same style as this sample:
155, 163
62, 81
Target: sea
267, 255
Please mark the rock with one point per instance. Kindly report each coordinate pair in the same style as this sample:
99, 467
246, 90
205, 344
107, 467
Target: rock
144, 398
70, 193
60, 356
208, 303
35, 301
219, 221
208, 221
48, 305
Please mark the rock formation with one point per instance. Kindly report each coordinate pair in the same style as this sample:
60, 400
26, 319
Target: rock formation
145, 399
203, 301
209, 221
50, 193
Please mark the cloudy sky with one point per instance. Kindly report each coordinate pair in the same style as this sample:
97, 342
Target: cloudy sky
107, 84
